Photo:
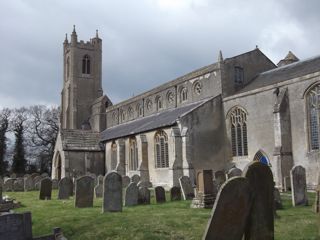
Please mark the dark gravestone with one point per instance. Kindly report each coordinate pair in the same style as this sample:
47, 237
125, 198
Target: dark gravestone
65, 188
220, 178
84, 192
160, 194
298, 186
230, 211
132, 193
135, 178
45, 189
234, 172
205, 195
175, 194
261, 219
186, 187
125, 181
16, 226
112, 193
144, 195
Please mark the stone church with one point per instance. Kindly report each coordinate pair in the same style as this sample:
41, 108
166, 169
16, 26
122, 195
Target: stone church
236, 110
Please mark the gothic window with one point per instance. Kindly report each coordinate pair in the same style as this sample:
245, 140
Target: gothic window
239, 141
123, 115
149, 105
159, 103
130, 113
170, 97
140, 110
313, 112
197, 88
238, 76
161, 150
113, 156
183, 94
86, 65
133, 155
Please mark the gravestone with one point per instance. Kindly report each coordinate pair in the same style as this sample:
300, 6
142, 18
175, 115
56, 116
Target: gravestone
55, 183
16, 226
277, 199
234, 172
95, 179
144, 184
132, 192
112, 193
261, 218
135, 178
160, 194
28, 184
18, 185
44, 175
144, 195
84, 192
298, 186
186, 187
175, 194
98, 190
37, 179
205, 196
45, 189
65, 188
231, 211
125, 181
220, 178
8, 185
316, 206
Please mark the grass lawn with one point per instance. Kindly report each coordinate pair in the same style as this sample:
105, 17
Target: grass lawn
171, 220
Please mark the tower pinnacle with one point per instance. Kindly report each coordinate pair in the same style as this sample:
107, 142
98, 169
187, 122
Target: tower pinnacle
97, 35
220, 57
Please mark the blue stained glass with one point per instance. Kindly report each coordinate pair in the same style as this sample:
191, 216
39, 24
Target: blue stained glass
264, 160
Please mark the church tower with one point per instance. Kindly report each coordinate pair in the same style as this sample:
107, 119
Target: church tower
81, 80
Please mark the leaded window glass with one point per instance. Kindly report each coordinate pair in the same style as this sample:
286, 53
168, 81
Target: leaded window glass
239, 140
313, 106
161, 150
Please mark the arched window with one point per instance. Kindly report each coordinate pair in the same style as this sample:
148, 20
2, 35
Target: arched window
133, 155
86, 64
161, 150
260, 157
68, 67
113, 156
183, 94
122, 115
159, 103
239, 141
139, 110
197, 88
130, 113
313, 116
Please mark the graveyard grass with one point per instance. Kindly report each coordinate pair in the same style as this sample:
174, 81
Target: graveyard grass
171, 220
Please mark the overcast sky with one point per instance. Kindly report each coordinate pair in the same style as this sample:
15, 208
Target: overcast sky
145, 42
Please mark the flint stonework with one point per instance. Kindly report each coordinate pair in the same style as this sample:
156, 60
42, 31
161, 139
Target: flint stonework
112, 193
84, 192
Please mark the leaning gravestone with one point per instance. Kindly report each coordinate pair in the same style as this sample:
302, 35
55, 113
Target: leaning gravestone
220, 178
45, 189
98, 190
175, 194
186, 187
125, 181
84, 192
230, 211
261, 219
234, 172
144, 195
298, 186
132, 193
112, 193
28, 184
135, 178
160, 194
65, 188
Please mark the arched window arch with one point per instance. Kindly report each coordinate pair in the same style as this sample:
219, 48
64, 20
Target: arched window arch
239, 140
161, 150
86, 64
114, 149
68, 67
261, 157
133, 154
159, 103
313, 116
183, 94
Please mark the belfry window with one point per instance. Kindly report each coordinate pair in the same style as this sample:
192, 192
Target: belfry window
161, 150
239, 141
313, 116
133, 155
86, 65
183, 95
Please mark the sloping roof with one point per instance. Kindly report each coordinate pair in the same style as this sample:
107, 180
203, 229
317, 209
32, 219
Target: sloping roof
158, 120
280, 74
80, 140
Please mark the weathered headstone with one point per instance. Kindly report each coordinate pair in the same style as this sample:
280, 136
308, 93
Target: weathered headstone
84, 192
98, 190
205, 196
175, 194
18, 185
135, 178
65, 188
298, 186
261, 218
16, 226
160, 194
55, 184
234, 172
186, 187
28, 184
144, 195
45, 189
230, 211
112, 193
220, 178
8, 184
125, 181
132, 192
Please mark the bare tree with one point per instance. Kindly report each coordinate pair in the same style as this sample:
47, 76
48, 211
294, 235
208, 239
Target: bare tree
4, 126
